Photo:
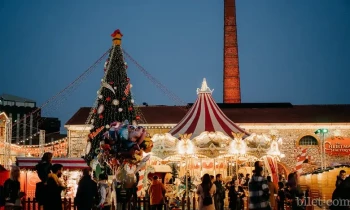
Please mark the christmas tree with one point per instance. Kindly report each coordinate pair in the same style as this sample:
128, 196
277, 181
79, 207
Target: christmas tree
174, 172
114, 102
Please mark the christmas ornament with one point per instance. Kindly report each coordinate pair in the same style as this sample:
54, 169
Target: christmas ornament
100, 109
120, 109
108, 99
115, 102
100, 96
132, 101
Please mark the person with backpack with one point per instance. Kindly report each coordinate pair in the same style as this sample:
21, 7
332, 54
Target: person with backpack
12, 194
205, 192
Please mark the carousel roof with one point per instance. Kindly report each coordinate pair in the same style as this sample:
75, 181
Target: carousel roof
205, 115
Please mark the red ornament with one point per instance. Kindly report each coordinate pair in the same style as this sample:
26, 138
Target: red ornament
111, 83
130, 108
124, 98
100, 116
137, 117
108, 99
95, 111
116, 32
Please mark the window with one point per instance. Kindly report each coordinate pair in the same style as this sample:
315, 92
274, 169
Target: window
308, 140
19, 104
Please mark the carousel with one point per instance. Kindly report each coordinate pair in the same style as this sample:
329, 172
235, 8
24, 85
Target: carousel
207, 141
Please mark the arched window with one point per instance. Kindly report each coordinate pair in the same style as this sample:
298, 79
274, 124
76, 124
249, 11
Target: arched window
308, 140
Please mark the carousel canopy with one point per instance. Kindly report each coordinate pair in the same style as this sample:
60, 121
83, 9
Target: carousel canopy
68, 163
205, 115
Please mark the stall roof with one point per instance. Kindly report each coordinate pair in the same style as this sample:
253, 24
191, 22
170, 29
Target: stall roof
68, 163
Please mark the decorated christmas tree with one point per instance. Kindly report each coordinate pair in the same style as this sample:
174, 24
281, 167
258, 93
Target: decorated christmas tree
114, 102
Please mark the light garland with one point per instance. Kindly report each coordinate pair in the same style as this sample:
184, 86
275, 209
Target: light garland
58, 148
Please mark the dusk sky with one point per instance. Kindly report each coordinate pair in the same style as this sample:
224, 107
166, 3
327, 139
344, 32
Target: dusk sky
289, 51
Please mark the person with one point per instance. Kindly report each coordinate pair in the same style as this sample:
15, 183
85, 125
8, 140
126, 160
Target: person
212, 178
156, 193
205, 192
219, 196
247, 178
236, 195
273, 191
340, 178
295, 193
54, 187
105, 202
259, 192
43, 169
12, 190
280, 196
86, 193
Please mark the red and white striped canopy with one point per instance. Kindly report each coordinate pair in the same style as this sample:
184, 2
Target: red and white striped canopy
68, 163
205, 115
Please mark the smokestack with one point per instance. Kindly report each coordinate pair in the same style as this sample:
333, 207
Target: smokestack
232, 87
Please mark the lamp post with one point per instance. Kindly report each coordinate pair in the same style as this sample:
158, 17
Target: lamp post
322, 132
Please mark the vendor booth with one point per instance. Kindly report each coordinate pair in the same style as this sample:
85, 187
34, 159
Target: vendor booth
71, 174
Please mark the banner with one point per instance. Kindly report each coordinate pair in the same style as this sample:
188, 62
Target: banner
339, 146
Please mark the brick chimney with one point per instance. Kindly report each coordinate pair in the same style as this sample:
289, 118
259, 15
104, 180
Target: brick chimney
232, 87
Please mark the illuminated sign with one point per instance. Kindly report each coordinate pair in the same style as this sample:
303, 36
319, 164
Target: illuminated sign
338, 146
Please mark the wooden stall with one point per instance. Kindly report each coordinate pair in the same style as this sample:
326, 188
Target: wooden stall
71, 174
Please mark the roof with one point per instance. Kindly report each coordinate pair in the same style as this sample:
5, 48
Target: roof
241, 113
8, 97
68, 163
205, 115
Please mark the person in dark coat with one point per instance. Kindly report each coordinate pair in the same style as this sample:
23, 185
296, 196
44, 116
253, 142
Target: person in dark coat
236, 195
12, 190
53, 200
43, 168
87, 192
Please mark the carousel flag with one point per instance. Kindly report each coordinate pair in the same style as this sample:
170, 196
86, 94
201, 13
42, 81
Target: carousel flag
271, 166
300, 160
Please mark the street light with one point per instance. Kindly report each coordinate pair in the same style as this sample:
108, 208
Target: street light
322, 131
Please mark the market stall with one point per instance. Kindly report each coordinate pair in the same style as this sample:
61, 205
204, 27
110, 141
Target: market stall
71, 175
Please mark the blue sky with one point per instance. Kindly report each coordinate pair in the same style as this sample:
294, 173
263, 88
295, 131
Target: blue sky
290, 51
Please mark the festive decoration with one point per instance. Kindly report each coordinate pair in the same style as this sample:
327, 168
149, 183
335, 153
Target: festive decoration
300, 160
117, 37
117, 143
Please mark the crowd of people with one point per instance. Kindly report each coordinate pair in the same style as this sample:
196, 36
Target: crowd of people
261, 191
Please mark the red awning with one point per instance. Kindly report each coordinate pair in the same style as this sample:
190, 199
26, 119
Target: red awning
68, 163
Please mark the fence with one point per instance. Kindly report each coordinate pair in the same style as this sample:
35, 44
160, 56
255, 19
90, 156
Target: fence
68, 204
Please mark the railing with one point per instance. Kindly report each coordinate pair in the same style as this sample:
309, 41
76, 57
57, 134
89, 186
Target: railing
68, 204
